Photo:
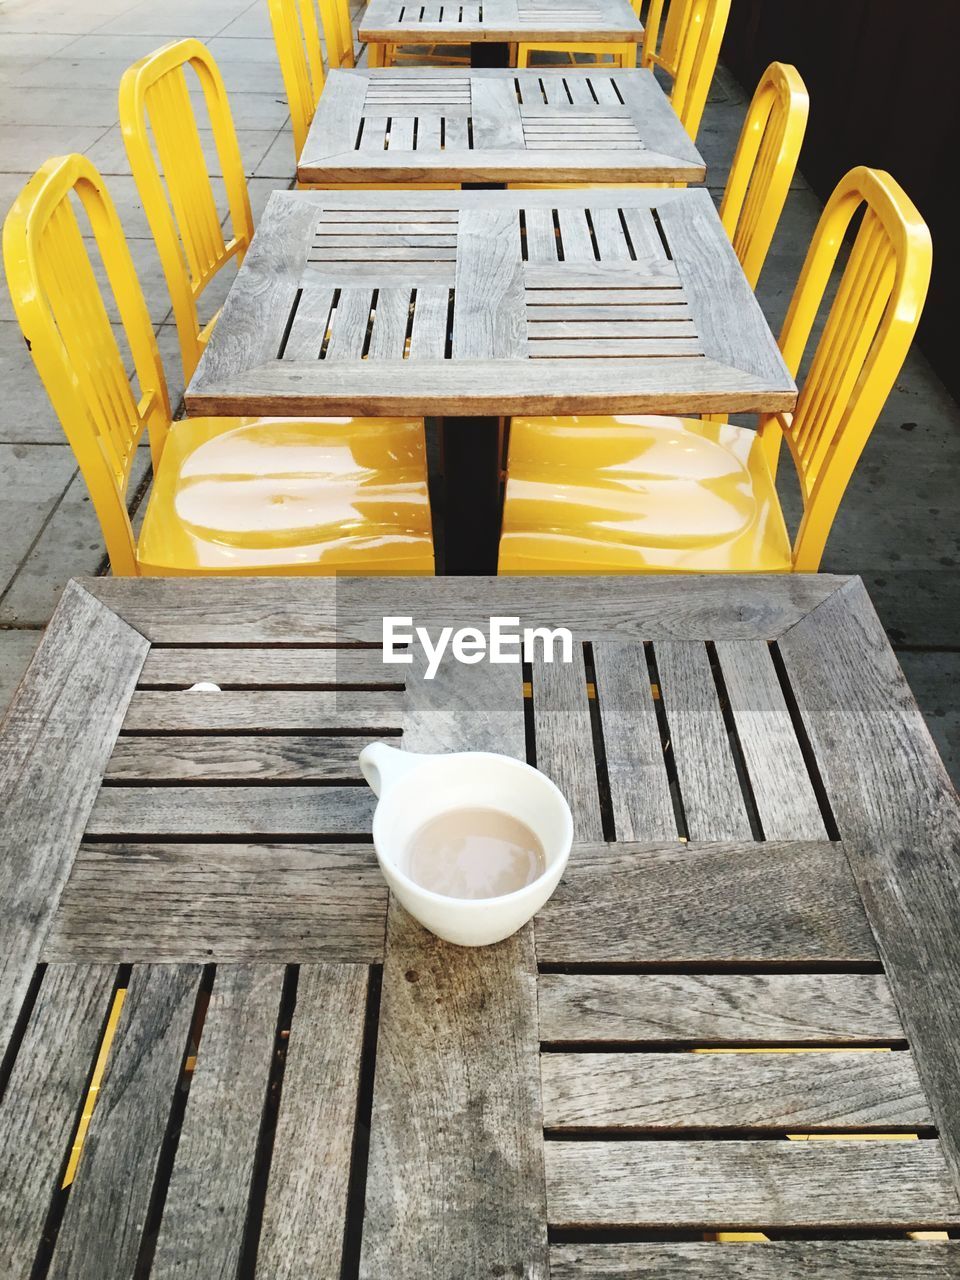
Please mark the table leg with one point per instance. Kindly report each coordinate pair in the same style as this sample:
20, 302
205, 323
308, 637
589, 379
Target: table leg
489, 54
471, 470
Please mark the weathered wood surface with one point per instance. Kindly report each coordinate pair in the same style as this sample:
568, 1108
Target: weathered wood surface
565, 753
54, 744
218, 758
832, 1090
899, 816
265, 611
709, 1008
713, 803
39, 1111
259, 710
720, 357
736, 1185
262, 668
223, 902
207, 1198
393, 22
781, 787
231, 811
455, 1181
728, 903
812, 1259
636, 770
630, 134
305, 1211
102, 1229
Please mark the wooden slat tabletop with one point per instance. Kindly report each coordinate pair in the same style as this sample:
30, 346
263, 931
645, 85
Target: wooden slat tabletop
424, 124
488, 302
738, 1012
398, 22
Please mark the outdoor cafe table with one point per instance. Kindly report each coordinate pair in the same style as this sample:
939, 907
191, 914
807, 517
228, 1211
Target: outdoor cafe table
490, 26
766, 857
439, 124
474, 304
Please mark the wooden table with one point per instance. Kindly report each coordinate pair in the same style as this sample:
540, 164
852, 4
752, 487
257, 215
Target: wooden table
473, 304
767, 857
427, 124
491, 26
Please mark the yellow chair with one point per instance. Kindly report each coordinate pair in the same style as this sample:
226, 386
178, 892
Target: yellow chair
230, 495
688, 53
677, 495
177, 194
764, 165
297, 37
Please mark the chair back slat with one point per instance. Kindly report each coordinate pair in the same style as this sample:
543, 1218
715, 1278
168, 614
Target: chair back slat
688, 51
870, 325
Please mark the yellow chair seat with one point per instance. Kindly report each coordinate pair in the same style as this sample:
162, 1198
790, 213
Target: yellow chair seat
639, 495
298, 496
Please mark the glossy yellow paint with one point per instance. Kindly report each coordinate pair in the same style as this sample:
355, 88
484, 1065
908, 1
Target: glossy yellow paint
764, 165
177, 192
688, 51
641, 495
296, 34
248, 496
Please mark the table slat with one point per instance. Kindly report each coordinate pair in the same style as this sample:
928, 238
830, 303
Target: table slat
228, 902
750, 1185
636, 770
564, 739
306, 1205
807, 1090
218, 758
205, 1210
787, 902
256, 710
231, 811
38, 1115
812, 1259
181, 668
455, 1178
716, 1008
781, 786
55, 741
102, 1229
713, 805
900, 818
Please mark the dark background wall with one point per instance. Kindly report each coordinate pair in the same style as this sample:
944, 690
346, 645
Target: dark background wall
884, 82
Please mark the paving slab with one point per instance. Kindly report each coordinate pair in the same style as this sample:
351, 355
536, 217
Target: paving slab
33, 478
17, 647
70, 544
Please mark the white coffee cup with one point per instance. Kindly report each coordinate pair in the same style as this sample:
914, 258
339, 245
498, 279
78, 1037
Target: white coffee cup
413, 789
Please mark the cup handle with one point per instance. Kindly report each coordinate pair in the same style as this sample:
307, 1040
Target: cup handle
382, 766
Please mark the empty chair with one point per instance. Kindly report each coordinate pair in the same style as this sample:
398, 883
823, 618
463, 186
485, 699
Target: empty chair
688, 52
297, 37
764, 165
174, 180
638, 494
230, 495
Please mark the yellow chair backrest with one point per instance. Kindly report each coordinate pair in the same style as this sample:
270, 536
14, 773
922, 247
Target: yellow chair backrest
867, 335
296, 34
337, 33
764, 165
63, 317
688, 52
166, 156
